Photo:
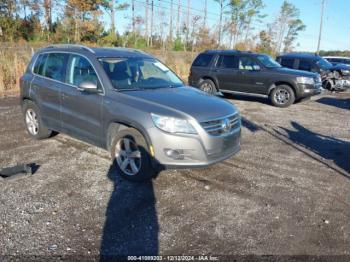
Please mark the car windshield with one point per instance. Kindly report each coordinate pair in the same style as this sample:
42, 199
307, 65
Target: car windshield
267, 61
323, 63
139, 73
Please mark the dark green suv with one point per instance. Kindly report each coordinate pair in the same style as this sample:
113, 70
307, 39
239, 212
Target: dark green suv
230, 71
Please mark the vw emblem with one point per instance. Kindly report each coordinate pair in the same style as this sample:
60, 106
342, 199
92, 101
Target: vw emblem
226, 125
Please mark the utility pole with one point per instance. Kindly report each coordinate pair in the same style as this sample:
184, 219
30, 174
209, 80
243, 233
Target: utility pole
321, 26
188, 20
171, 22
221, 2
146, 22
205, 13
178, 19
151, 35
133, 15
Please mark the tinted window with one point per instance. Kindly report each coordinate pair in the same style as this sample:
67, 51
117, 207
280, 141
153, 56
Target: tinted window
227, 61
247, 63
305, 65
80, 70
39, 64
267, 61
55, 66
203, 60
287, 62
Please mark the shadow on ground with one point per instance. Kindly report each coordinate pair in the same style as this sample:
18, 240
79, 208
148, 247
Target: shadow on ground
251, 126
336, 102
327, 147
131, 225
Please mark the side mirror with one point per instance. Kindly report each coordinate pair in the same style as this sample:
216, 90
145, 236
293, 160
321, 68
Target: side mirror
88, 86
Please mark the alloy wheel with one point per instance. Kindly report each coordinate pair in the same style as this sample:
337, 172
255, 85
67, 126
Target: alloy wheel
128, 156
206, 87
282, 96
32, 122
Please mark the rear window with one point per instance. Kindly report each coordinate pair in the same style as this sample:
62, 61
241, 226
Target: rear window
203, 60
287, 62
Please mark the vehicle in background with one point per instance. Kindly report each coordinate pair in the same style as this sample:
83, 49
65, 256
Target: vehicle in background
129, 103
230, 71
334, 60
334, 77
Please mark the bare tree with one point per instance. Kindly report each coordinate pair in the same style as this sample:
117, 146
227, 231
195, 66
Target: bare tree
222, 4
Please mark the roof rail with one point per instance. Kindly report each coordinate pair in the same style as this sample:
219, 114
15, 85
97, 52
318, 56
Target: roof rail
71, 46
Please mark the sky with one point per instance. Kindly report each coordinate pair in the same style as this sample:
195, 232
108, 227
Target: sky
336, 28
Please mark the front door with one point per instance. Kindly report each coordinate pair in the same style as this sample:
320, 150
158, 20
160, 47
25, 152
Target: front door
251, 78
81, 111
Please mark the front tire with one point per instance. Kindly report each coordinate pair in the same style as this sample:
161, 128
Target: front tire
131, 156
282, 96
207, 86
33, 122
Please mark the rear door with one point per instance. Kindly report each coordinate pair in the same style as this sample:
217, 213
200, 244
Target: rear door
81, 111
49, 71
225, 72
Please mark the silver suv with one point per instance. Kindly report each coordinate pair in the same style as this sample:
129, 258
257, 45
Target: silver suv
129, 103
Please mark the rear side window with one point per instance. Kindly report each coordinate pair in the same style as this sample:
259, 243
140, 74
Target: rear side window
287, 62
52, 66
39, 64
305, 65
203, 60
227, 61
80, 70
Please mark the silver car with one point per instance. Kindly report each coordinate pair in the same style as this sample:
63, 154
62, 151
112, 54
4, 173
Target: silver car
129, 103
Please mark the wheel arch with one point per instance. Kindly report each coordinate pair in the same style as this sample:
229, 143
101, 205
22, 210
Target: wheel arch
209, 78
116, 126
278, 83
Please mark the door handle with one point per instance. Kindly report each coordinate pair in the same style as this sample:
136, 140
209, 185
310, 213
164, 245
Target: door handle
63, 95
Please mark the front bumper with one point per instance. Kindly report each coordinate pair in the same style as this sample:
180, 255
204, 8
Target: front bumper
310, 90
194, 150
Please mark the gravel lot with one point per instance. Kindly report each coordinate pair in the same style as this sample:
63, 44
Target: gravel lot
286, 193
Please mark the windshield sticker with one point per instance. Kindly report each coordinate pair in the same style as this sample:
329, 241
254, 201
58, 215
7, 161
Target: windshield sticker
161, 66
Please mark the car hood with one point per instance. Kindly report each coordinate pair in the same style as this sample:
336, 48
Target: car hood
288, 71
340, 67
185, 100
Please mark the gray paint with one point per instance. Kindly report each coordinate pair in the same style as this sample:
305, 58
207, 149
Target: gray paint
88, 116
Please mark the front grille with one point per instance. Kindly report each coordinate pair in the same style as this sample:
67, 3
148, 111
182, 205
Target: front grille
217, 127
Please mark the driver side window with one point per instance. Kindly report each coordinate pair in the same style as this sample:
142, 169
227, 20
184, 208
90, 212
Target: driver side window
247, 63
80, 70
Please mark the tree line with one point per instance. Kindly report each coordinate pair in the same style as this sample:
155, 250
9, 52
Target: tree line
165, 24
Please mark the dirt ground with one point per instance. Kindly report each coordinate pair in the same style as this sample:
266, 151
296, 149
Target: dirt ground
287, 192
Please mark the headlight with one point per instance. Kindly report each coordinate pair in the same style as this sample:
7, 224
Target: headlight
172, 124
305, 80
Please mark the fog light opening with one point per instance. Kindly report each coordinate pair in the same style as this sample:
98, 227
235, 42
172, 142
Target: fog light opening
176, 154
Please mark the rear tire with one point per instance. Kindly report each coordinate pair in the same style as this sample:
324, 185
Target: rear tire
207, 86
33, 122
282, 96
131, 157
